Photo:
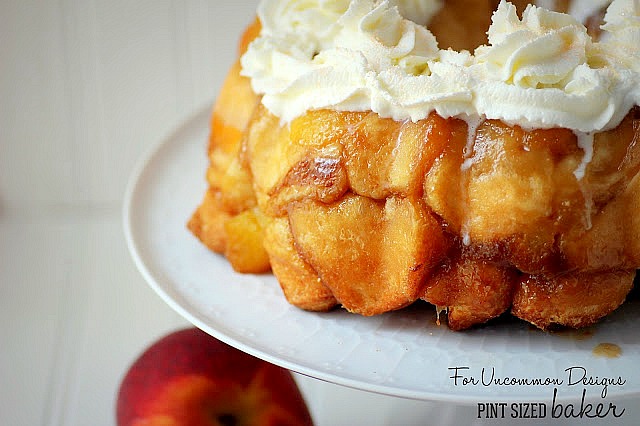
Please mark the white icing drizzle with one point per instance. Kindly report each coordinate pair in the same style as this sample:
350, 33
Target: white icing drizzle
439, 310
585, 142
473, 123
466, 238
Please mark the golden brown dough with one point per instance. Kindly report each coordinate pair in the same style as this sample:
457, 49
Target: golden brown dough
573, 300
300, 283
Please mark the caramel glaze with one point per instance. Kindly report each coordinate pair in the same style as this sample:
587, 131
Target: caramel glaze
501, 223
607, 350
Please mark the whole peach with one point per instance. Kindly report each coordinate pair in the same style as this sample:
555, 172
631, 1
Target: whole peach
189, 378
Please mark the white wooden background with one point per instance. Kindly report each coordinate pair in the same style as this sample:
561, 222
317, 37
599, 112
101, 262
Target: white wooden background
86, 87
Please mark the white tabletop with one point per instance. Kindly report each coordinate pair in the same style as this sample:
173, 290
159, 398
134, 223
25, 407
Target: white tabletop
86, 87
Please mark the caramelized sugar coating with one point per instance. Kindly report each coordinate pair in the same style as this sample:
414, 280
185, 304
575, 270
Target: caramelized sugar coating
386, 212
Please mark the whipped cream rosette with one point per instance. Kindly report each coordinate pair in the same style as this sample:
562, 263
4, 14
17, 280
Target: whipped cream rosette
542, 70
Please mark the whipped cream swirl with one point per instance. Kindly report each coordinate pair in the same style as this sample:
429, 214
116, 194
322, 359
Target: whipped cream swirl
542, 70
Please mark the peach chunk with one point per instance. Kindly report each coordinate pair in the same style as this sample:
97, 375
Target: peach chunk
244, 248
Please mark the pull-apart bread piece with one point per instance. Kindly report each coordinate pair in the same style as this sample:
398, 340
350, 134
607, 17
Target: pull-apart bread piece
370, 154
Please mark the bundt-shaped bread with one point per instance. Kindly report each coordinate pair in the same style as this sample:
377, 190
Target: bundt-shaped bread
477, 218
